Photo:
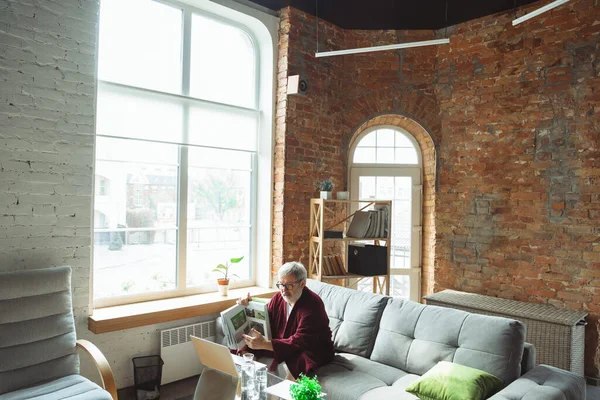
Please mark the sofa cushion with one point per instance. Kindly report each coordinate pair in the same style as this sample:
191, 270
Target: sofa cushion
414, 337
342, 384
450, 381
352, 362
72, 387
397, 391
353, 316
544, 382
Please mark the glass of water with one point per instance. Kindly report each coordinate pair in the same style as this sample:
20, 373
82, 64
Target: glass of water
260, 380
248, 383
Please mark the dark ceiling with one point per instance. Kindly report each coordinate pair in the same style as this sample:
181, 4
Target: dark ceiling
397, 14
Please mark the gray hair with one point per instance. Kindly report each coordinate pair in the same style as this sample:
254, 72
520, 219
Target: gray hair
293, 268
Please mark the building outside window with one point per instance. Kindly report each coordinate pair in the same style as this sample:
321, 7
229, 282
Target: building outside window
177, 136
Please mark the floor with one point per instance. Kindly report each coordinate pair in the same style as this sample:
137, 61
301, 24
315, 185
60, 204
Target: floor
170, 391
593, 392
185, 388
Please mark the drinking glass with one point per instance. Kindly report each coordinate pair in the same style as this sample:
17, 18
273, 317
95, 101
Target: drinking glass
248, 382
260, 380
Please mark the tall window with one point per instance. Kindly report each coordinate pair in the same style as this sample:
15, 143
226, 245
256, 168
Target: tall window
386, 165
177, 138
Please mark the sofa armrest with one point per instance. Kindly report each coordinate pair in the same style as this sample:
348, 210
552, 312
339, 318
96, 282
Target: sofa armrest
108, 379
528, 361
544, 383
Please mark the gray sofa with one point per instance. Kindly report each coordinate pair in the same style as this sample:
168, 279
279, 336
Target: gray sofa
383, 344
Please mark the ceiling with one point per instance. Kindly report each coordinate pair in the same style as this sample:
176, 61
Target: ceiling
397, 14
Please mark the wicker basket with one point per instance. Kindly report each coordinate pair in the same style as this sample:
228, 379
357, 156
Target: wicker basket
557, 334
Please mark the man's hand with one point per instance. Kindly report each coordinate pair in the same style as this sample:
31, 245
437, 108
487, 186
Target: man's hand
258, 341
244, 301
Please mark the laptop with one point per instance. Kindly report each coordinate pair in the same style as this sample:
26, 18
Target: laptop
217, 356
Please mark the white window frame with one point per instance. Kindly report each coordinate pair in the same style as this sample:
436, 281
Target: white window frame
261, 187
415, 172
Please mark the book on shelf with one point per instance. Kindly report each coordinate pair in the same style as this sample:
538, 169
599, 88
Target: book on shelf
333, 235
327, 266
239, 320
370, 224
359, 225
340, 262
333, 265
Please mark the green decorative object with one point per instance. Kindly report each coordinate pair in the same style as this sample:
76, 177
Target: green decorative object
326, 185
224, 269
306, 389
449, 381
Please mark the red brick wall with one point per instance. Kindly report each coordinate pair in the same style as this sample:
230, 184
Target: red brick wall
517, 211
513, 115
308, 132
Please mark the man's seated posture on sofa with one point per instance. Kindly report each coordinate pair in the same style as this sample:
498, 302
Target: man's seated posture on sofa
299, 325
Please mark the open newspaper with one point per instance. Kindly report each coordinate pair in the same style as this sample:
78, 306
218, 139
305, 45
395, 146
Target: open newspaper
239, 320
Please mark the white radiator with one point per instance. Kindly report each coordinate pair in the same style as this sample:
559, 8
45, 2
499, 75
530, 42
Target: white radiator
178, 353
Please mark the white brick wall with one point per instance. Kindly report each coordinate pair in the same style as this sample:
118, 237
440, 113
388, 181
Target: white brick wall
47, 89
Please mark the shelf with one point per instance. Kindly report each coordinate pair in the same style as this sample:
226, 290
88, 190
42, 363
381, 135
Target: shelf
353, 201
337, 215
346, 239
351, 276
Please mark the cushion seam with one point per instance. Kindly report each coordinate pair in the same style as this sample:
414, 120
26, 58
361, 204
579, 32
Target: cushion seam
413, 337
35, 295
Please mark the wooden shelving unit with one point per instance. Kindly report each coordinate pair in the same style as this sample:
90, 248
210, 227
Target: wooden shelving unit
337, 215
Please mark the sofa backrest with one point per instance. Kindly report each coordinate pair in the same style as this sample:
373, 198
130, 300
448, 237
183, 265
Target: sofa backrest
353, 316
415, 337
37, 332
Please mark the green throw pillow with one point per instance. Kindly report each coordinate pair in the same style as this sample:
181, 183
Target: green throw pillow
449, 381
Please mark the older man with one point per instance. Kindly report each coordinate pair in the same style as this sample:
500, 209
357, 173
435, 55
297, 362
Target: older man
299, 325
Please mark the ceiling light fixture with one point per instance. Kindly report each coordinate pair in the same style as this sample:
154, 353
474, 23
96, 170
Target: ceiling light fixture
377, 48
382, 48
539, 11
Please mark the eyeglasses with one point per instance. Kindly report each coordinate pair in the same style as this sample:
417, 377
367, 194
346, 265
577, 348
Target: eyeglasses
287, 286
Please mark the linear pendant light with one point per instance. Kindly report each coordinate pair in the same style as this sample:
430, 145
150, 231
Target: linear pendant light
382, 48
539, 11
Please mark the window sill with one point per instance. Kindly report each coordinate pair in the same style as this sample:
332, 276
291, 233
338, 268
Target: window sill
110, 319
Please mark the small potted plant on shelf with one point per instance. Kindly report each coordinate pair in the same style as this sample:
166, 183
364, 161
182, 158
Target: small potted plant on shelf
326, 187
224, 269
306, 389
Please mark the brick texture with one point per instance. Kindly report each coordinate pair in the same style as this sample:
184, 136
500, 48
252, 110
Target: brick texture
47, 89
510, 113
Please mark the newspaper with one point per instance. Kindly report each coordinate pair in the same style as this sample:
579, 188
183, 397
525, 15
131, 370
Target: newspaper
240, 320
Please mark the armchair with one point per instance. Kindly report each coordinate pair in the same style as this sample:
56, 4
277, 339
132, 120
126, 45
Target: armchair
38, 355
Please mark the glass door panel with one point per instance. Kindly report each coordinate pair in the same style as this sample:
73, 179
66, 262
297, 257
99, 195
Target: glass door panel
402, 186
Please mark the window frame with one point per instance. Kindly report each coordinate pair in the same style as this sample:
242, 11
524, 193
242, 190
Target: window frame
256, 242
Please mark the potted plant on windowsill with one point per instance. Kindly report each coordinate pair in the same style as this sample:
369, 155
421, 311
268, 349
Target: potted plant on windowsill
326, 187
224, 269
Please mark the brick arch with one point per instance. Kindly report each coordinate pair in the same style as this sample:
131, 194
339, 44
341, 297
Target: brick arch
428, 153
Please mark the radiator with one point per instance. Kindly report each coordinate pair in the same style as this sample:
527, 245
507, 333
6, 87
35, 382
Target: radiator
178, 353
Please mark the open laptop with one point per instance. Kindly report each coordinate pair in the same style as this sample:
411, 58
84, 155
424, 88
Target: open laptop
217, 356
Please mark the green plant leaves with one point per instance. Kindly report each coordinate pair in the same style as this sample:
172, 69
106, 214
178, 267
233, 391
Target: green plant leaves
306, 389
236, 260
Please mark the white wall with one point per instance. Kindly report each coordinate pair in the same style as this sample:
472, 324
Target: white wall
47, 90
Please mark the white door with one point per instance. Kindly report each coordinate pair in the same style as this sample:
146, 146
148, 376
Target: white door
403, 187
